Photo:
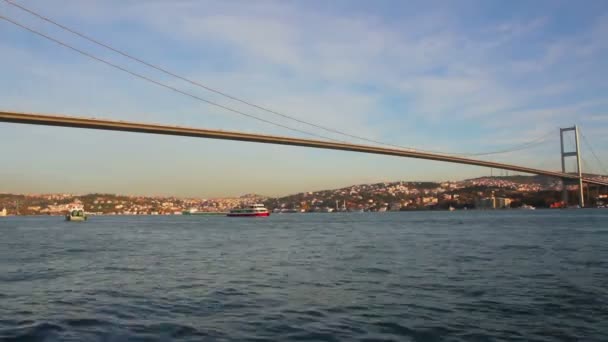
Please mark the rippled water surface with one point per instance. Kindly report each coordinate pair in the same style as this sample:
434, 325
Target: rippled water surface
423, 276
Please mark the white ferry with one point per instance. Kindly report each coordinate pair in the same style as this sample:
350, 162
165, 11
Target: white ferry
251, 210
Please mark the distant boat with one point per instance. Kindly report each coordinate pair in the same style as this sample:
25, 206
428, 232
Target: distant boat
249, 211
76, 213
3, 212
285, 211
528, 207
452, 208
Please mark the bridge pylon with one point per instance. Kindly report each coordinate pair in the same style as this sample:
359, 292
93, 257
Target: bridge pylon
576, 153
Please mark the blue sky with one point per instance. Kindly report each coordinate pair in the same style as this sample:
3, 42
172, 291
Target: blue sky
466, 76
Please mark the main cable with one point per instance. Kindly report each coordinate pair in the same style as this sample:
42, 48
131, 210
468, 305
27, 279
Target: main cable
523, 146
145, 78
195, 83
599, 162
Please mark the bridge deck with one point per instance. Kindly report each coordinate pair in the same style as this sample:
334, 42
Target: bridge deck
102, 124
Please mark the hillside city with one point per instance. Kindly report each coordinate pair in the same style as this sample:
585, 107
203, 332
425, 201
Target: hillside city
478, 193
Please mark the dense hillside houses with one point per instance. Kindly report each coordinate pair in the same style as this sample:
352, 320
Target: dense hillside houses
509, 191
484, 192
109, 204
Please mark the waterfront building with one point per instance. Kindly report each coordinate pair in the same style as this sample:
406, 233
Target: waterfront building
493, 202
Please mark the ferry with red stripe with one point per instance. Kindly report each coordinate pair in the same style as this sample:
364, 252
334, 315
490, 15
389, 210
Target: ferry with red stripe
251, 210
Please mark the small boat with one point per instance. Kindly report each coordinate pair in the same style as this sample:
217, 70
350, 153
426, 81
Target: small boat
251, 210
451, 208
285, 211
3, 212
527, 207
76, 214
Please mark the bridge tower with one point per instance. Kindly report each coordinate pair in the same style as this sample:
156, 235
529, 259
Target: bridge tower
577, 154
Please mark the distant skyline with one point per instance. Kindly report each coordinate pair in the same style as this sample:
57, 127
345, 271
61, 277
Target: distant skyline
458, 77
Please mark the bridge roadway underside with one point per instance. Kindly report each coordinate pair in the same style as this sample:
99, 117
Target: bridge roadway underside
112, 125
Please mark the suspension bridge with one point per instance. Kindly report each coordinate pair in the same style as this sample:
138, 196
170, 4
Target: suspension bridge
567, 178
139, 127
